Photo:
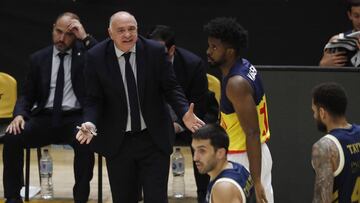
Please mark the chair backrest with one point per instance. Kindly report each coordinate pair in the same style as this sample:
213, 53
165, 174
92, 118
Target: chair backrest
8, 92
214, 86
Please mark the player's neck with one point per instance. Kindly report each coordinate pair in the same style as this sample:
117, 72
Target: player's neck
225, 68
338, 123
219, 168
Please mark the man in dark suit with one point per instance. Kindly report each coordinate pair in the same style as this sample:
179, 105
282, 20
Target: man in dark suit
128, 79
190, 72
50, 107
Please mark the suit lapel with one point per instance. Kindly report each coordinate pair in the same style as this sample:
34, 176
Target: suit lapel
177, 65
46, 71
114, 69
75, 61
141, 69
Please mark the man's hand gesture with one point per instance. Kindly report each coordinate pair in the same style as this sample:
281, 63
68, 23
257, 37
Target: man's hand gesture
191, 121
86, 133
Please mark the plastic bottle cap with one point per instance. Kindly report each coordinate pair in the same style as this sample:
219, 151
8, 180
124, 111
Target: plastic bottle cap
177, 148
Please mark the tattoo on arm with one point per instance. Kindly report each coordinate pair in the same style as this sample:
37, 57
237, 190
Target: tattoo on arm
325, 160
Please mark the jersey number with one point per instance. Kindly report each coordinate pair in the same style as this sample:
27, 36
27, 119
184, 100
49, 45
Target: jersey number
355, 196
266, 124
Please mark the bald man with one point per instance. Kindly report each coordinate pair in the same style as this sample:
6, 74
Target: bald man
129, 79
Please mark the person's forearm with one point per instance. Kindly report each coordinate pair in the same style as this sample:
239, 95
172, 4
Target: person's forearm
253, 148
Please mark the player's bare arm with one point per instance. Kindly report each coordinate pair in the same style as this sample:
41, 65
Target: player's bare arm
225, 192
325, 160
240, 93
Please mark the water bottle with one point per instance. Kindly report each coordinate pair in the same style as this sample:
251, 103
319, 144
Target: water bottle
46, 170
178, 170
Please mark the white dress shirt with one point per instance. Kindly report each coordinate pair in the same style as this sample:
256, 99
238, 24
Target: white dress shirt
69, 99
132, 60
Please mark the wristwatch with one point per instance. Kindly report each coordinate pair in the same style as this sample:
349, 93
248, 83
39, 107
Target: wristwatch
86, 40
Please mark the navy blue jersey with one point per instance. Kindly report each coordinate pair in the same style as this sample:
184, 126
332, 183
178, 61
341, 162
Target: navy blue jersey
347, 176
240, 177
246, 70
228, 117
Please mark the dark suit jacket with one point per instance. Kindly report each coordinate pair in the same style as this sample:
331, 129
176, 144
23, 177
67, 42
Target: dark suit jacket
36, 88
190, 72
106, 104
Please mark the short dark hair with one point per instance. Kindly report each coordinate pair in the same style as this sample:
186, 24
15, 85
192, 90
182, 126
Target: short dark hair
215, 133
70, 14
163, 33
228, 31
332, 97
352, 3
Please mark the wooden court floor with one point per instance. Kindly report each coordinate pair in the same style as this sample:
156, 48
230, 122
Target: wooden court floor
63, 178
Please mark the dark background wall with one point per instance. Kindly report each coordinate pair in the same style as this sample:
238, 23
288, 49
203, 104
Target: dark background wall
293, 130
282, 32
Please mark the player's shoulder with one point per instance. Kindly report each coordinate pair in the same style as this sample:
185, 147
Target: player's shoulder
238, 83
225, 190
324, 146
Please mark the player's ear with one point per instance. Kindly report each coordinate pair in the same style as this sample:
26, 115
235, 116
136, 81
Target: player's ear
220, 153
230, 51
322, 113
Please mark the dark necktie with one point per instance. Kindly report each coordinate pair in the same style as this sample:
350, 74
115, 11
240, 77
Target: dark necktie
59, 89
132, 94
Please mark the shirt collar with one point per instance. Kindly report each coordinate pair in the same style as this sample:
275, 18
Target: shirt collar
56, 51
119, 53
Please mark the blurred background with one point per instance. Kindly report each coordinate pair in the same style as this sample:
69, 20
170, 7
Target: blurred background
281, 32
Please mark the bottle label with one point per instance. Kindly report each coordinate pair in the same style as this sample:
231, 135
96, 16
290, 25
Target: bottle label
46, 167
178, 167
